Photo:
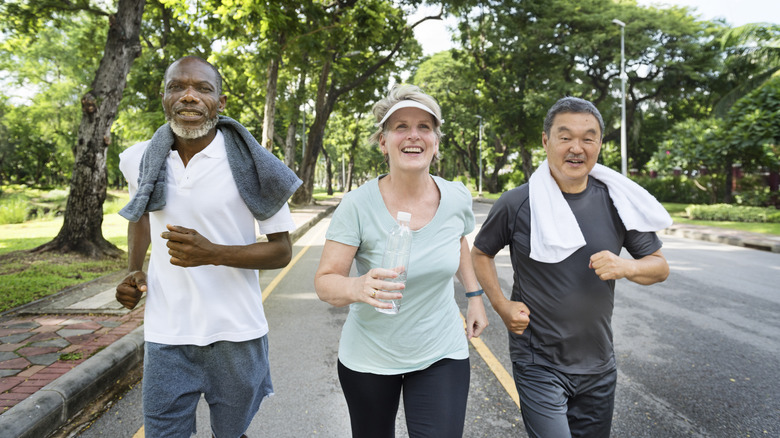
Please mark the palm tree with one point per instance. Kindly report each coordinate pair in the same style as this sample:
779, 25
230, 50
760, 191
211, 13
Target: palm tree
753, 56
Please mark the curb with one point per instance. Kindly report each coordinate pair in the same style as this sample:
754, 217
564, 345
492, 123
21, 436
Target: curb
49, 408
725, 236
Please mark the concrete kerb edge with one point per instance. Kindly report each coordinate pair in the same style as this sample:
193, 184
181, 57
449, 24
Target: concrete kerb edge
716, 237
52, 406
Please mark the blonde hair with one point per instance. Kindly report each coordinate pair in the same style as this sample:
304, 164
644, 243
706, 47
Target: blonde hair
405, 92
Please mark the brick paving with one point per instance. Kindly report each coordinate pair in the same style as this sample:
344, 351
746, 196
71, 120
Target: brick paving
37, 349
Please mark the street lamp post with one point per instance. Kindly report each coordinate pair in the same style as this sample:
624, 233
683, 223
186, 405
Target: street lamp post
480, 155
623, 77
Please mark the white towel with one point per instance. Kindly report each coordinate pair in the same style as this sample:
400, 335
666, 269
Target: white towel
555, 233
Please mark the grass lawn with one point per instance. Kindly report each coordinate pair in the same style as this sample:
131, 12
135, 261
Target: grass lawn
26, 277
677, 211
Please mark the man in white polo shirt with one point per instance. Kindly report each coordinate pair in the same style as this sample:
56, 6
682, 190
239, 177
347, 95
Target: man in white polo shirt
196, 198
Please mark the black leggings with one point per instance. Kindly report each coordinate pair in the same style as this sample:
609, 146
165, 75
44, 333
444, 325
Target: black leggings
434, 400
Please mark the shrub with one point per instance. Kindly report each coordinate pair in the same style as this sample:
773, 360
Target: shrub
682, 189
728, 212
13, 209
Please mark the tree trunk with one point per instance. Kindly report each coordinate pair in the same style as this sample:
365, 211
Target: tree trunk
323, 107
289, 146
492, 182
81, 230
328, 91
730, 182
352, 149
528, 165
350, 173
328, 172
270, 104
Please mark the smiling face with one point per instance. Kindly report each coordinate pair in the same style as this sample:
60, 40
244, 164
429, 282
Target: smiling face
409, 139
572, 148
192, 100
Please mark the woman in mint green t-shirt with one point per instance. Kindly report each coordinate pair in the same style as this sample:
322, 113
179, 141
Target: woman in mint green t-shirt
422, 350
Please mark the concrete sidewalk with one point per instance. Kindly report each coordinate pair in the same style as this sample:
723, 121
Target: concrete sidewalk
60, 353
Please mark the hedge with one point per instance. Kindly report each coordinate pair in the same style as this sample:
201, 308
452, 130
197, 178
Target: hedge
728, 212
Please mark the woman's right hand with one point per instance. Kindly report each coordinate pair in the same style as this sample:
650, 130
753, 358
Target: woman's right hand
373, 287
334, 285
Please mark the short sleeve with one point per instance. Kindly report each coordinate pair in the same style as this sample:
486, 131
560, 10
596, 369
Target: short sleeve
129, 165
345, 223
496, 231
282, 221
640, 244
464, 197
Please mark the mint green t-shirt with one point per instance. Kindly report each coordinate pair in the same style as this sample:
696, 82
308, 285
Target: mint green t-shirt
429, 327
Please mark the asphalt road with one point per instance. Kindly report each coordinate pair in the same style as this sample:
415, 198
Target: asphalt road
697, 355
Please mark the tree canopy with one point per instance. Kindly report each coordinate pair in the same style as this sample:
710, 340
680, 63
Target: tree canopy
302, 76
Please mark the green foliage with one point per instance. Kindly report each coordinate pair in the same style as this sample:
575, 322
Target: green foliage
679, 216
347, 139
20, 203
753, 56
26, 278
522, 56
749, 136
753, 127
690, 145
451, 81
40, 129
13, 209
71, 356
517, 58
728, 212
683, 189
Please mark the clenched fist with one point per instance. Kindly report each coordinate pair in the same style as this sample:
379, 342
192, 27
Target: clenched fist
130, 290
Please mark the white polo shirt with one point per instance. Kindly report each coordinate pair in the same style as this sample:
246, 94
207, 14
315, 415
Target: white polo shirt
204, 304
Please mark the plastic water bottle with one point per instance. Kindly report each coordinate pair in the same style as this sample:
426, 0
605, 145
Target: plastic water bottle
396, 257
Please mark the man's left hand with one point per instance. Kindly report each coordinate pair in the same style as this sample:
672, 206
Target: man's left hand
187, 247
608, 265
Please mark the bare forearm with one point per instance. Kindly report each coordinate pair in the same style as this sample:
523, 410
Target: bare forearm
334, 285
649, 270
274, 254
138, 241
335, 289
465, 273
485, 269
515, 315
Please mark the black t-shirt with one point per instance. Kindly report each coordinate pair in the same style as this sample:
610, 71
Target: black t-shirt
570, 307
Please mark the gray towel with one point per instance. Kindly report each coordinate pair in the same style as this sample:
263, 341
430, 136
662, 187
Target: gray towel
263, 181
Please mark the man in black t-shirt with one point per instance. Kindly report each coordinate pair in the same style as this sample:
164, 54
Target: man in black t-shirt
560, 312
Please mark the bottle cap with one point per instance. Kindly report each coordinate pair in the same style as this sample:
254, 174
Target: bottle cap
404, 216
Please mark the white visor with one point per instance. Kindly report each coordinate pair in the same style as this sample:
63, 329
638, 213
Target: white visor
407, 104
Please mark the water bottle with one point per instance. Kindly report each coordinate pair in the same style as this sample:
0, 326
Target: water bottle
396, 257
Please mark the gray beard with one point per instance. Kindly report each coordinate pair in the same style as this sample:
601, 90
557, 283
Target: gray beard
192, 133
